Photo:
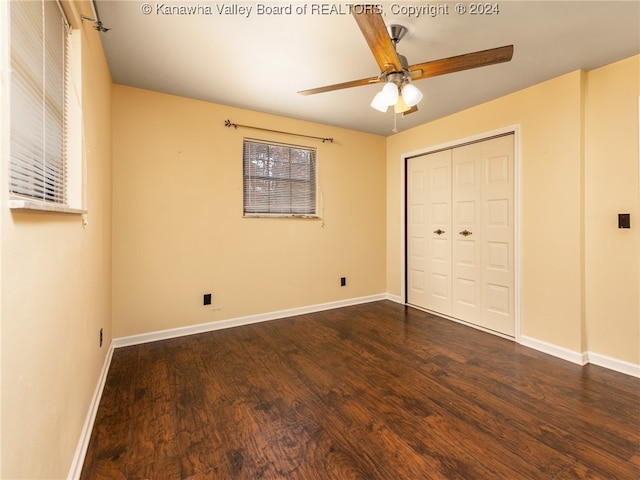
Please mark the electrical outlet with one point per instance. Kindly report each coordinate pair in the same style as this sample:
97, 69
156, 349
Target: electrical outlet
624, 220
206, 299
100, 337
343, 281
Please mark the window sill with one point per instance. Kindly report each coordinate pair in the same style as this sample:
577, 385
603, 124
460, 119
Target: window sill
31, 205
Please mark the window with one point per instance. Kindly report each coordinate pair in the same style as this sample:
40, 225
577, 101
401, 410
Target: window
40, 107
279, 180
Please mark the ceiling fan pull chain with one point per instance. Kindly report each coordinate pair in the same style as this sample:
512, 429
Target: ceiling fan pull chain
395, 119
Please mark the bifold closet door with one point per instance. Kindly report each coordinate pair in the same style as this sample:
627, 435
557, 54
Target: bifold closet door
483, 246
460, 237
429, 232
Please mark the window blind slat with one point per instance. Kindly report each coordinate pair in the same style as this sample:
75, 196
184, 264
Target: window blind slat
39, 63
279, 179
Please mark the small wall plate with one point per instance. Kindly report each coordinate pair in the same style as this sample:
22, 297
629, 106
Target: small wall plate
624, 220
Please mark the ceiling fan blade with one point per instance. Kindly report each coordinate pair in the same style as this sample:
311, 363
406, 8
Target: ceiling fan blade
461, 62
411, 110
339, 86
375, 33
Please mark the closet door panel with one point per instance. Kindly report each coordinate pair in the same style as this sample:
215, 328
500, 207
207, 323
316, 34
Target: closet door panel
429, 232
498, 261
466, 201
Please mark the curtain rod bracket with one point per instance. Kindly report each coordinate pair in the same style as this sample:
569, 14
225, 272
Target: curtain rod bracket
98, 25
96, 19
228, 123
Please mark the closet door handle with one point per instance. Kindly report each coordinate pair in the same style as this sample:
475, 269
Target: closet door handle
466, 233
438, 232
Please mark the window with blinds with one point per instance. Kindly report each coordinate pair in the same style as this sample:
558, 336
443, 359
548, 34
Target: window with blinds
279, 180
40, 42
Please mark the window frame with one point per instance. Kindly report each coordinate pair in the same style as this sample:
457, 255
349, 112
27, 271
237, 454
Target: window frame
276, 210
70, 176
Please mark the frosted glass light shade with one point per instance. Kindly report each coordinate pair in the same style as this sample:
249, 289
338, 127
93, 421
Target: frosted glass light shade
379, 102
390, 93
411, 94
401, 106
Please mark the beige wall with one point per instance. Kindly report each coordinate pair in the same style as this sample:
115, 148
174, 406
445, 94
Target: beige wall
556, 267
55, 299
612, 187
178, 229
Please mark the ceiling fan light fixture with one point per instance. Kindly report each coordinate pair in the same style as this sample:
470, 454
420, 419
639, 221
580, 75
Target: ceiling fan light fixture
411, 94
390, 93
379, 102
401, 105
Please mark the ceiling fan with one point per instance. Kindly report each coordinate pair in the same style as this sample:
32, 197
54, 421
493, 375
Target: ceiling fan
396, 73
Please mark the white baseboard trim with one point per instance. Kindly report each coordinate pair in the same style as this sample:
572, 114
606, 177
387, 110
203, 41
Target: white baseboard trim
85, 435
621, 366
396, 298
560, 352
236, 322
583, 358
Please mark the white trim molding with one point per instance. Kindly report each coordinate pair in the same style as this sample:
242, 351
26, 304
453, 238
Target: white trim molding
236, 322
395, 298
580, 358
551, 349
85, 435
583, 358
621, 366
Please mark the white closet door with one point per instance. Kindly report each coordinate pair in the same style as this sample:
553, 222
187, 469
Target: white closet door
460, 233
498, 235
466, 233
429, 231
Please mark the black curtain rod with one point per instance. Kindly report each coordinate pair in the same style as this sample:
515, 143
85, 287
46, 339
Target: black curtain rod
227, 123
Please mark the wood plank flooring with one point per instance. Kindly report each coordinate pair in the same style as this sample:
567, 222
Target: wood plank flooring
373, 391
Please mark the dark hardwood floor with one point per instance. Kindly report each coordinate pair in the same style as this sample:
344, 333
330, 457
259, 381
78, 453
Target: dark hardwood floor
374, 391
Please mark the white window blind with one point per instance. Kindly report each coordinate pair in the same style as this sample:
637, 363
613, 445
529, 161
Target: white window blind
39, 82
279, 179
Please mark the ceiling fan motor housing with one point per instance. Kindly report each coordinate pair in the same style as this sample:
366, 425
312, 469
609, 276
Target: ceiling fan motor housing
396, 32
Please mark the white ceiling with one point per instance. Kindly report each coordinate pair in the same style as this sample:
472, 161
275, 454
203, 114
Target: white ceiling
259, 61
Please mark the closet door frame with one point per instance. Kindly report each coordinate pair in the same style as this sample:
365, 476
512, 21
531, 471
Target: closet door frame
511, 129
